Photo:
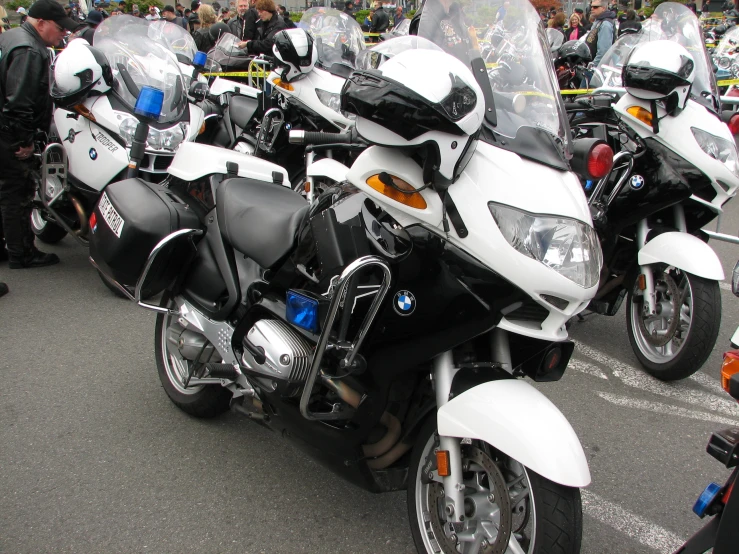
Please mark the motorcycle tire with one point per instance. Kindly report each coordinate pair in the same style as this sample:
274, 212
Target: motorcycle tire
202, 401
46, 231
551, 523
703, 307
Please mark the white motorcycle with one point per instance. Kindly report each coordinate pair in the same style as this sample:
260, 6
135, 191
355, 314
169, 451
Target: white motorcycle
93, 130
383, 325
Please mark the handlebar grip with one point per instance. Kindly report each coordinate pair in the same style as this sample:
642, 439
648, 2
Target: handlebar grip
312, 137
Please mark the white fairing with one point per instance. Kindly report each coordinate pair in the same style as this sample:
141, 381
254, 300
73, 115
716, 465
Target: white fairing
326, 167
684, 252
675, 133
197, 118
503, 177
194, 161
735, 338
522, 423
222, 86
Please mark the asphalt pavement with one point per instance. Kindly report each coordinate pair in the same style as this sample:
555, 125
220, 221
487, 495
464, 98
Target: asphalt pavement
94, 457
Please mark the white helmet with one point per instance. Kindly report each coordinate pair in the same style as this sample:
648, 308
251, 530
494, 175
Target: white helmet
402, 104
79, 70
656, 70
295, 50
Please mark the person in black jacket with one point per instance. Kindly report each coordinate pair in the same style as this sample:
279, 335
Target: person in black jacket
380, 19
630, 23
94, 18
284, 14
269, 24
169, 13
244, 25
25, 108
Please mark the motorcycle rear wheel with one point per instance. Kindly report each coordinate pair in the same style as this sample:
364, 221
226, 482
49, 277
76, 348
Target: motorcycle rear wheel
203, 401
539, 515
691, 341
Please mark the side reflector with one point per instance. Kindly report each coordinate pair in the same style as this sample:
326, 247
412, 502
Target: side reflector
727, 494
283, 85
729, 367
84, 112
442, 463
202, 128
706, 499
642, 282
600, 161
645, 116
734, 124
302, 311
411, 199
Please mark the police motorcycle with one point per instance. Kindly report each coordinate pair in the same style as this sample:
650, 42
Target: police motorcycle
384, 326
675, 167
94, 90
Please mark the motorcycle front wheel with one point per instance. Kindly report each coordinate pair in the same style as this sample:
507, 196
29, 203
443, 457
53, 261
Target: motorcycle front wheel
508, 507
675, 342
46, 231
203, 401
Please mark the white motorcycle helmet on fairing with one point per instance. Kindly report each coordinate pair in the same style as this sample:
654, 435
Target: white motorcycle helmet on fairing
655, 70
295, 51
79, 70
403, 104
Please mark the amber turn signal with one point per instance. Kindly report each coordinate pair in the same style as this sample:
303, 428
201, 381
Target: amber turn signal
283, 85
84, 112
729, 368
645, 116
442, 463
380, 183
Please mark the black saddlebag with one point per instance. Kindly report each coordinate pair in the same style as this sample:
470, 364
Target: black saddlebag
130, 220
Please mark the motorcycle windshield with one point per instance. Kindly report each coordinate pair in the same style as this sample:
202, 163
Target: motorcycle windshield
507, 34
675, 22
374, 57
337, 36
228, 45
175, 38
137, 61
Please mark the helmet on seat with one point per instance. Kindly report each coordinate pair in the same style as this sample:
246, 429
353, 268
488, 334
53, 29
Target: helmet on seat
399, 105
295, 51
574, 52
79, 70
659, 69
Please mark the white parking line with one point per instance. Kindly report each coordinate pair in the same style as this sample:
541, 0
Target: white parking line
658, 407
636, 527
724, 285
678, 390
585, 367
708, 382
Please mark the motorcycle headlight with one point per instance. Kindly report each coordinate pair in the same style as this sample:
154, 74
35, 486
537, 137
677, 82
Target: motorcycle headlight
567, 246
718, 148
158, 139
329, 99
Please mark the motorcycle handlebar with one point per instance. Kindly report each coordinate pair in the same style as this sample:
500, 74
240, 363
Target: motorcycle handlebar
316, 138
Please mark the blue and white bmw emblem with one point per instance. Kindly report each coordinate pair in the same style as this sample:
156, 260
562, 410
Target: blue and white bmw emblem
93, 154
637, 182
404, 302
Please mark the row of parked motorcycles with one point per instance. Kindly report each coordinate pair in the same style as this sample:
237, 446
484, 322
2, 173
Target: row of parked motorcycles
370, 249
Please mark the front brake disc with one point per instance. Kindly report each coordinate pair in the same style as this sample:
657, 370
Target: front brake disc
673, 295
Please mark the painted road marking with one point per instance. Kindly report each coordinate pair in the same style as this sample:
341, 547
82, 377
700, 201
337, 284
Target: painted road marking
708, 382
636, 527
724, 285
658, 407
585, 367
678, 390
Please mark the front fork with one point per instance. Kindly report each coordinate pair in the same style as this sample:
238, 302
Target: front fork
642, 234
444, 372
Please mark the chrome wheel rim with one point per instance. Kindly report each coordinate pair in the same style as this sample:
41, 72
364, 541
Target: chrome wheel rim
175, 366
661, 337
495, 523
37, 220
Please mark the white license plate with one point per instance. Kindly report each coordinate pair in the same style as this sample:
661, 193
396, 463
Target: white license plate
111, 216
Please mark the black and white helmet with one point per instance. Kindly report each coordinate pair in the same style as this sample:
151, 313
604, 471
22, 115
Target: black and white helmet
296, 52
399, 104
79, 70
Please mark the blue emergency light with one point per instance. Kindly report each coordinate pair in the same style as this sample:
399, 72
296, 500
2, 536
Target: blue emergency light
149, 103
199, 59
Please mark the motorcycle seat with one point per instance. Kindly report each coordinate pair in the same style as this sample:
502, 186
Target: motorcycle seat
259, 219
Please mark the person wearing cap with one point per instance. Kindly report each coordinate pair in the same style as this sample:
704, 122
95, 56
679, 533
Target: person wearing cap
87, 32
244, 25
169, 13
25, 108
135, 11
153, 14
180, 10
99, 7
349, 8
194, 18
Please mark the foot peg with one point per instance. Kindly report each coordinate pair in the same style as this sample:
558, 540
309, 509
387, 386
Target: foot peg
221, 371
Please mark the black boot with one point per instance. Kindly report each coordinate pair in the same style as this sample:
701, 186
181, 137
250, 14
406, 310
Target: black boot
3, 289
35, 259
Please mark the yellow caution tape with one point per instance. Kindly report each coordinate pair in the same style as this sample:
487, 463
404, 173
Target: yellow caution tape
261, 74
577, 91
727, 82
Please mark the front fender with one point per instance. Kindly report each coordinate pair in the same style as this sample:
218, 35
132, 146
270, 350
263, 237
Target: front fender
685, 252
327, 167
521, 422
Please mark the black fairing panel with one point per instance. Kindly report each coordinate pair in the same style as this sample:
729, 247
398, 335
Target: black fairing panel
457, 299
242, 109
669, 179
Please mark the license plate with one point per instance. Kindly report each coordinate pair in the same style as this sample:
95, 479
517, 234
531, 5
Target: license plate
111, 216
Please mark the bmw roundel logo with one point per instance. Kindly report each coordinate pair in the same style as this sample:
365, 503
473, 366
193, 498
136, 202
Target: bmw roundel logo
93, 154
637, 182
404, 302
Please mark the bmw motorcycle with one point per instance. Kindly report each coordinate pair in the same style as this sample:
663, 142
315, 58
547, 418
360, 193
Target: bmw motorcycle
92, 136
673, 171
386, 326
